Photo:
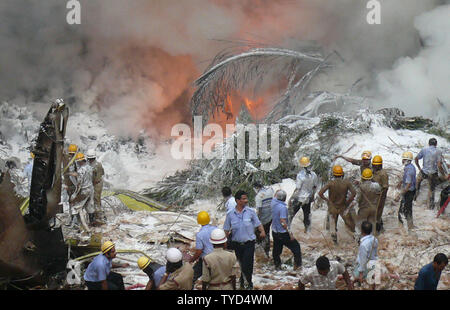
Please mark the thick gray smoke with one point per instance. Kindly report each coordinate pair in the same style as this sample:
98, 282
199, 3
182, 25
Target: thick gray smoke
134, 61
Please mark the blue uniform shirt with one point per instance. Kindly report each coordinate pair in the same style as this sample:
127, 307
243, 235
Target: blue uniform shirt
409, 176
98, 269
427, 279
431, 155
158, 274
242, 225
279, 211
202, 241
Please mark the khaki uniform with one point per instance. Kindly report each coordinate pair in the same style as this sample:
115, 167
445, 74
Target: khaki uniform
181, 279
97, 180
370, 193
337, 194
218, 269
382, 178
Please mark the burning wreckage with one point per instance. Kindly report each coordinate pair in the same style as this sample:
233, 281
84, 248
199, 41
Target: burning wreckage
316, 124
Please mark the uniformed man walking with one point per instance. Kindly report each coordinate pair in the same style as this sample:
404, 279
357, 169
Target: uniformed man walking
338, 204
408, 190
240, 224
218, 265
381, 177
368, 199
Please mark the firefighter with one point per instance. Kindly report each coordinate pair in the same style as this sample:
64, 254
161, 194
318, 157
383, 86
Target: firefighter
368, 200
381, 177
97, 180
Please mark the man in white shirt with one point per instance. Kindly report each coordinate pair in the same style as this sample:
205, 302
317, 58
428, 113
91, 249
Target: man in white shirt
368, 249
230, 202
306, 183
324, 275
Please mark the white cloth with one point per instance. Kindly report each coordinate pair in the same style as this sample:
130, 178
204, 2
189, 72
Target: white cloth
84, 186
27, 173
306, 184
230, 204
320, 282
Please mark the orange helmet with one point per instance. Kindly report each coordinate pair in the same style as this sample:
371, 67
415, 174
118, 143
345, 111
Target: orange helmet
377, 160
79, 157
367, 174
73, 148
338, 171
366, 155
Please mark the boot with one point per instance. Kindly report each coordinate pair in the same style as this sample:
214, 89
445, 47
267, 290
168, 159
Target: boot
334, 237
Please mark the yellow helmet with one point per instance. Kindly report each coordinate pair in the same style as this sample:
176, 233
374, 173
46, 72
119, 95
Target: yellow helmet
106, 246
203, 218
79, 157
143, 262
377, 160
304, 162
73, 148
32, 155
366, 155
338, 171
407, 155
367, 174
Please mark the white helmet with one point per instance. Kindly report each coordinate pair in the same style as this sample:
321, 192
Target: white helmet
91, 154
174, 255
218, 236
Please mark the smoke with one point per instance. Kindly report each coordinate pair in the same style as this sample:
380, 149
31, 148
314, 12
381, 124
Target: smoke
135, 61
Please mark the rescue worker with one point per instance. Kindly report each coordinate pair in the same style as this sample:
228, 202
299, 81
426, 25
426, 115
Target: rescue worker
202, 244
178, 276
264, 195
432, 161
368, 250
230, 202
306, 184
218, 265
81, 200
408, 190
153, 270
69, 186
324, 275
28, 171
338, 188
381, 177
430, 274
280, 232
240, 223
363, 163
368, 200
98, 275
97, 180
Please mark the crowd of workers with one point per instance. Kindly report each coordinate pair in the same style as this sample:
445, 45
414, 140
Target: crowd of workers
217, 250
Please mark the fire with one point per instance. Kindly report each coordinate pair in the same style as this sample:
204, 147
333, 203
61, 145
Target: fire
255, 108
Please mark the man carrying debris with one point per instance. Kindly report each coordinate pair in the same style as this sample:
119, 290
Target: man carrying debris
241, 224
431, 156
338, 188
154, 271
218, 265
203, 245
306, 186
363, 163
430, 274
67, 157
324, 275
81, 200
381, 177
178, 276
230, 202
368, 200
97, 180
408, 190
98, 275
280, 232
368, 250
264, 195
